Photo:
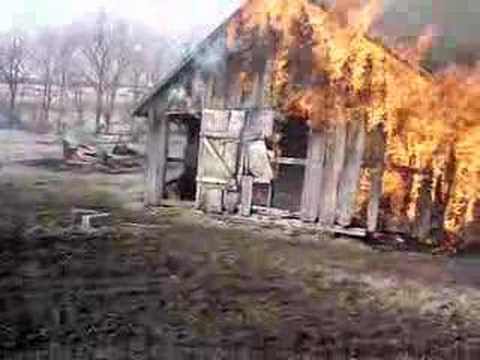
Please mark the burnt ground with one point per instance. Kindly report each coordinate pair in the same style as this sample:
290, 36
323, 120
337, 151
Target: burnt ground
172, 283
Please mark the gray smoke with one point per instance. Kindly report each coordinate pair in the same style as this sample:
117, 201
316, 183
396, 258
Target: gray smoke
457, 23
211, 59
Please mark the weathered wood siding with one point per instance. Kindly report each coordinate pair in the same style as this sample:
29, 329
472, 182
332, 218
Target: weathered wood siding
157, 151
365, 164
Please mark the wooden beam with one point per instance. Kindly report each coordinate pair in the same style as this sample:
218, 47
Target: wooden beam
339, 230
424, 208
157, 157
213, 151
350, 177
247, 194
334, 161
289, 161
378, 143
313, 176
270, 195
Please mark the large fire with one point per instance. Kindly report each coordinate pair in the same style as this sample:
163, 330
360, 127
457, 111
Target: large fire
430, 121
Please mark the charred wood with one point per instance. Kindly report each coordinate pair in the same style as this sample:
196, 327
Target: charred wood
313, 176
334, 160
377, 147
350, 177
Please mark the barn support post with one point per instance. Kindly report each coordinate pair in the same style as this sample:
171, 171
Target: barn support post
313, 176
157, 156
422, 226
378, 144
334, 161
350, 178
246, 196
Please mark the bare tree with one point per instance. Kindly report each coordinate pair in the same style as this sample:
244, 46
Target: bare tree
65, 71
97, 50
78, 100
45, 57
108, 54
13, 55
101, 53
122, 53
137, 73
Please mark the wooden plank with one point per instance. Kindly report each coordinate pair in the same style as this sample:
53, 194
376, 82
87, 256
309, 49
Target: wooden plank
339, 230
260, 123
443, 189
172, 159
313, 176
246, 196
273, 212
211, 180
183, 113
157, 155
253, 99
378, 142
209, 198
375, 193
198, 195
212, 200
290, 161
213, 151
215, 121
424, 208
333, 166
219, 135
270, 195
219, 159
231, 201
350, 177
236, 123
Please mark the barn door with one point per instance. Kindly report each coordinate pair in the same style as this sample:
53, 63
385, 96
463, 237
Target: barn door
219, 159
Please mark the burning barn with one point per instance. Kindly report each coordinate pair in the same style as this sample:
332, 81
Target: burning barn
285, 106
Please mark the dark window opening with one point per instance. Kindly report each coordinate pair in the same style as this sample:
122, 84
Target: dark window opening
288, 184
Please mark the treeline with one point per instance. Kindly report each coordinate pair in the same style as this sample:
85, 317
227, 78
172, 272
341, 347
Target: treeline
83, 64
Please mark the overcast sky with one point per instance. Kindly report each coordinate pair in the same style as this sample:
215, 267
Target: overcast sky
166, 16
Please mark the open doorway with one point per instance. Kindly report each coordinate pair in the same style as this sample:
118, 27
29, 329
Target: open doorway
184, 141
290, 150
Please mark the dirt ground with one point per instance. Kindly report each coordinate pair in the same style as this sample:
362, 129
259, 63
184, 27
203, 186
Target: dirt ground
173, 283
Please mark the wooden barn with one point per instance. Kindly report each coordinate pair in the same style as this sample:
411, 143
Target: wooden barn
285, 107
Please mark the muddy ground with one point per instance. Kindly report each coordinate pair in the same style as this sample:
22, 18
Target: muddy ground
173, 283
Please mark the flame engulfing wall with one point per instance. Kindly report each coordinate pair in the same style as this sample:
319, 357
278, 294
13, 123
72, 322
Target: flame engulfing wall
324, 69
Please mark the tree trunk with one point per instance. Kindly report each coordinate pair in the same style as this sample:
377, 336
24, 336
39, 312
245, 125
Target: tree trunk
99, 109
61, 111
46, 103
110, 108
13, 97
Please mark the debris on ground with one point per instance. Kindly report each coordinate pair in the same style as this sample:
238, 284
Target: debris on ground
107, 152
124, 150
88, 220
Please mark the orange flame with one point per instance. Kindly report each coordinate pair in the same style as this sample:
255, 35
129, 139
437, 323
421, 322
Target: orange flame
415, 54
322, 67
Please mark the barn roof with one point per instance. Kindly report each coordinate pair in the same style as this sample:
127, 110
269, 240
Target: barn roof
141, 108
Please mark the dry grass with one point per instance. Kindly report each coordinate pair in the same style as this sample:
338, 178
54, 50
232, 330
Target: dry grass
258, 276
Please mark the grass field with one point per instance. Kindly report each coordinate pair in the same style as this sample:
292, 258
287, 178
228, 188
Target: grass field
173, 283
